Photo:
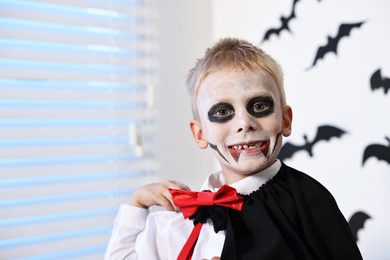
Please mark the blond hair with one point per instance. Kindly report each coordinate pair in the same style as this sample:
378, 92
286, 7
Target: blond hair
232, 53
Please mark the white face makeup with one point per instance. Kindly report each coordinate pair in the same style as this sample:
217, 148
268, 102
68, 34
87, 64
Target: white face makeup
242, 120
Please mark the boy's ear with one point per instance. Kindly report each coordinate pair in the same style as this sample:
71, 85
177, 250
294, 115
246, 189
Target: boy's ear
287, 121
197, 133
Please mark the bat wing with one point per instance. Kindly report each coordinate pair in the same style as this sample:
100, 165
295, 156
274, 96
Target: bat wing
277, 31
292, 15
288, 150
356, 222
345, 30
331, 46
268, 34
386, 85
378, 151
326, 132
286, 20
376, 80
322, 50
284, 26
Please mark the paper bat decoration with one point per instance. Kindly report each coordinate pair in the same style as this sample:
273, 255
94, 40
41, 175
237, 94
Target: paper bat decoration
285, 21
379, 151
331, 45
377, 81
324, 133
356, 222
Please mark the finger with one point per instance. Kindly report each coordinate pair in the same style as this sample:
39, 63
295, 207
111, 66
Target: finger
167, 204
176, 185
168, 197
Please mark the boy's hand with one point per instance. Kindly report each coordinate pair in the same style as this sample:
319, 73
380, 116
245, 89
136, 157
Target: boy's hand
157, 194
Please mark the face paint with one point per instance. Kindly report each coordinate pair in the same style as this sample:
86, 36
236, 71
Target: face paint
275, 144
241, 120
213, 146
221, 113
235, 154
260, 106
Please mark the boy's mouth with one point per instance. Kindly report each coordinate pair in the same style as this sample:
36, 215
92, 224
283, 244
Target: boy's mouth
248, 148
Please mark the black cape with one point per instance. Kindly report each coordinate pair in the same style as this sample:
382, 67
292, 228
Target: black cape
292, 216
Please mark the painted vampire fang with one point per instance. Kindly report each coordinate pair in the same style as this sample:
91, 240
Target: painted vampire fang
249, 149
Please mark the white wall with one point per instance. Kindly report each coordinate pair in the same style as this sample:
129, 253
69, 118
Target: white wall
184, 32
335, 92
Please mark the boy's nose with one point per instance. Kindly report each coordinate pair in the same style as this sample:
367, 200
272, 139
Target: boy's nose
245, 123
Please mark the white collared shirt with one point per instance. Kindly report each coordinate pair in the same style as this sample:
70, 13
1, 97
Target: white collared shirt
138, 234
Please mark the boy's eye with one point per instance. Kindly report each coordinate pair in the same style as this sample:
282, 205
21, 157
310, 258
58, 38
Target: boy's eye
260, 106
221, 112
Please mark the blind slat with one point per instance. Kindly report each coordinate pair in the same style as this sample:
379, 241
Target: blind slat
72, 234
60, 206
58, 33
67, 55
86, 252
118, 5
52, 218
70, 15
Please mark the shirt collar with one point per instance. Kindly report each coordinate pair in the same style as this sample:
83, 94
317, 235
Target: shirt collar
246, 185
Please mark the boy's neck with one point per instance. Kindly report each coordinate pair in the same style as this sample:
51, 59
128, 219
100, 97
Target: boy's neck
233, 177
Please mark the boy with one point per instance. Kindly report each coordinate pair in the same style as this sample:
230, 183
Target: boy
240, 112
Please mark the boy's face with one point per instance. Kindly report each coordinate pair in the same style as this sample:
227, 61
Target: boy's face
241, 119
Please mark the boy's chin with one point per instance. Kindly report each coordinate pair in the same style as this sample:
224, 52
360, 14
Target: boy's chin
248, 167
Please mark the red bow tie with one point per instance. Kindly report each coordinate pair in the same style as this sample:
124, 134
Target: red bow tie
189, 202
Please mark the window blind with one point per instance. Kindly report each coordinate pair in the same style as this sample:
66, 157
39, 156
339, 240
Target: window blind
77, 121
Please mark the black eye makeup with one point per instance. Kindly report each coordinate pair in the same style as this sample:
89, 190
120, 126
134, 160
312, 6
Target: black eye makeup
260, 106
221, 113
